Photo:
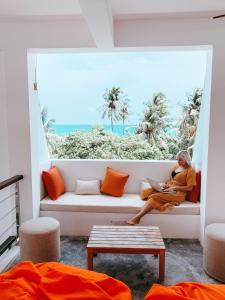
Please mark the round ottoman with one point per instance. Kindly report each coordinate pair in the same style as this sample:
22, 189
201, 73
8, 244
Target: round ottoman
214, 251
40, 240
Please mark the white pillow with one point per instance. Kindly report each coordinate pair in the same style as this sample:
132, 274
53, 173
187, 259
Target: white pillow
144, 185
88, 187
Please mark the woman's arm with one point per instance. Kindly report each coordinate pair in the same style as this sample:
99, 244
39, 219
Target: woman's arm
166, 184
183, 188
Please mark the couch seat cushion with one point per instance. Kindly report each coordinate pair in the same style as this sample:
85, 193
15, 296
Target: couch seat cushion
129, 203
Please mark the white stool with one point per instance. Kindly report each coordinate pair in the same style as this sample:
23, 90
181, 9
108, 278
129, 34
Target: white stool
214, 251
40, 240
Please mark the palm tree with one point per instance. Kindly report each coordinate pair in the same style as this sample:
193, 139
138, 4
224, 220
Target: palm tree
111, 107
189, 122
124, 111
155, 120
47, 123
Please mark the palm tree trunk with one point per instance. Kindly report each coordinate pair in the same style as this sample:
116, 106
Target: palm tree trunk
149, 137
111, 122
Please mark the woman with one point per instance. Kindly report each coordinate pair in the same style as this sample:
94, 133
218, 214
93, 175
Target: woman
182, 180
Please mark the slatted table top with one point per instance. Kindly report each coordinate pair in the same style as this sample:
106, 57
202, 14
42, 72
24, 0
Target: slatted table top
125, 237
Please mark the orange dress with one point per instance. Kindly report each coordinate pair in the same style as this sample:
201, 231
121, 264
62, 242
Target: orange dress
163, 201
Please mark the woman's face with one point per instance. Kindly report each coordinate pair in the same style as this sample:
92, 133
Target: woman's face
181, 162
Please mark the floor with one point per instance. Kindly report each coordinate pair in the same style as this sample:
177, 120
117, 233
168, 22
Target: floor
139, 272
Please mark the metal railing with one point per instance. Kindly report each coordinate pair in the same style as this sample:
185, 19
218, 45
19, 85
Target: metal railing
11, 207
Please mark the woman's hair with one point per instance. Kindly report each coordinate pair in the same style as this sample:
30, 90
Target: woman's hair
184, 154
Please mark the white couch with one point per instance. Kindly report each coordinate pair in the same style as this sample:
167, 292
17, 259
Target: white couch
77, 213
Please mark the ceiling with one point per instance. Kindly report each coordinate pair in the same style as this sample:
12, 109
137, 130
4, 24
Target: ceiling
119, 8
99, 15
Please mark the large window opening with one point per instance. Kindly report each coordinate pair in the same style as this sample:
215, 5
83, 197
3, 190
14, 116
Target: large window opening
121, 105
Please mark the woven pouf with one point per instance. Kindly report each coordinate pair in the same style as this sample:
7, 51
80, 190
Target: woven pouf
214, 251
40, 240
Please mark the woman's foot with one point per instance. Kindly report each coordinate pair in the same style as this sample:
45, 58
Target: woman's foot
133, 221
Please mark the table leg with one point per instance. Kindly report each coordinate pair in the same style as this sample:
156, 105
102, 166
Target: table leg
162, 265
90, 259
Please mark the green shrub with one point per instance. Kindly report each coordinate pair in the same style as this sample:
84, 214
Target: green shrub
101, 144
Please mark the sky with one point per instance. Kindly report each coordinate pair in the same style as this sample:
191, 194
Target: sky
72, 85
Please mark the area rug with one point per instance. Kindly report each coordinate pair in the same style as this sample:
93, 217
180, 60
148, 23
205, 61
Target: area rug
139, 272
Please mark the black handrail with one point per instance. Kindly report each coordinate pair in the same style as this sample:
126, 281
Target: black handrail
10, 181
7, 244
11, 239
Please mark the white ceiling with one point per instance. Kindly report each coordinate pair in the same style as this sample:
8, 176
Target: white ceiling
173, 7
99, 14
119, 8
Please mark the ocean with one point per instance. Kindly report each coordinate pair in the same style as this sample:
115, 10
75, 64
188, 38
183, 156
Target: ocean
63, 129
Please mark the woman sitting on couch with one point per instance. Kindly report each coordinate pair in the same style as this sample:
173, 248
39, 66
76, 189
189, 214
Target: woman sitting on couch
182, 180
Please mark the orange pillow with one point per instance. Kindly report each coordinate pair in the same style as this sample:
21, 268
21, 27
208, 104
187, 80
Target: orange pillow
53, 182
194, 195
114, 182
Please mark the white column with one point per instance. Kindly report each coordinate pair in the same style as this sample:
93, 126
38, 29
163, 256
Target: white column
39, 151
18, 125
200, 155
215, 196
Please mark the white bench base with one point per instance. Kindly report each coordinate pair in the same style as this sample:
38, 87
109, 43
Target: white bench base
171, 226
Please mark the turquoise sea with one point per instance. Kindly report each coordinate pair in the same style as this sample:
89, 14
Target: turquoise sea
63, 129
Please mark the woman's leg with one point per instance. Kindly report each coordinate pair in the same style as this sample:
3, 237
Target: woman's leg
144, 210
146, 193
163, 201
159, 201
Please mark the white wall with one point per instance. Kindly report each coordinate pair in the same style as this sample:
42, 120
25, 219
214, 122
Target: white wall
7, 195
18, 124
23, 132
39, 150
15, 38
4, 155
215, 200
200, 156
168, 32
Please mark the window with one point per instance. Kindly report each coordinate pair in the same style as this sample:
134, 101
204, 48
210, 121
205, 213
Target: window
120, 105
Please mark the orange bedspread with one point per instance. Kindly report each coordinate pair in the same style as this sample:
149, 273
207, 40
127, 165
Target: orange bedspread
57, 281
187, 291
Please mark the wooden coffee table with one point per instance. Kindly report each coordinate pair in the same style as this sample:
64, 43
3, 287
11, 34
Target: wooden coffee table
127, 239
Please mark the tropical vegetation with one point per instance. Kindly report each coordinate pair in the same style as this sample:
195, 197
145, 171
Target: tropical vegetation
47, 123
111, 105
188, 124
151, 140
155, 120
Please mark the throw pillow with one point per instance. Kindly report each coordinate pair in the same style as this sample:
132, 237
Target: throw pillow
88, 187
144, 186
194, 195
114, 182
53, 182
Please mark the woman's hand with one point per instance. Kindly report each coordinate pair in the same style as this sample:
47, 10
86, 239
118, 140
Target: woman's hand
165, 185
169, 189
182, 188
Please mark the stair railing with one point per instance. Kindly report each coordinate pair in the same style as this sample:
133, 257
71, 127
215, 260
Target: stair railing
9, 213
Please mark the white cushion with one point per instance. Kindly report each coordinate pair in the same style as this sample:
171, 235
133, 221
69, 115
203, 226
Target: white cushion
129, 203
88, 187
144, 185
